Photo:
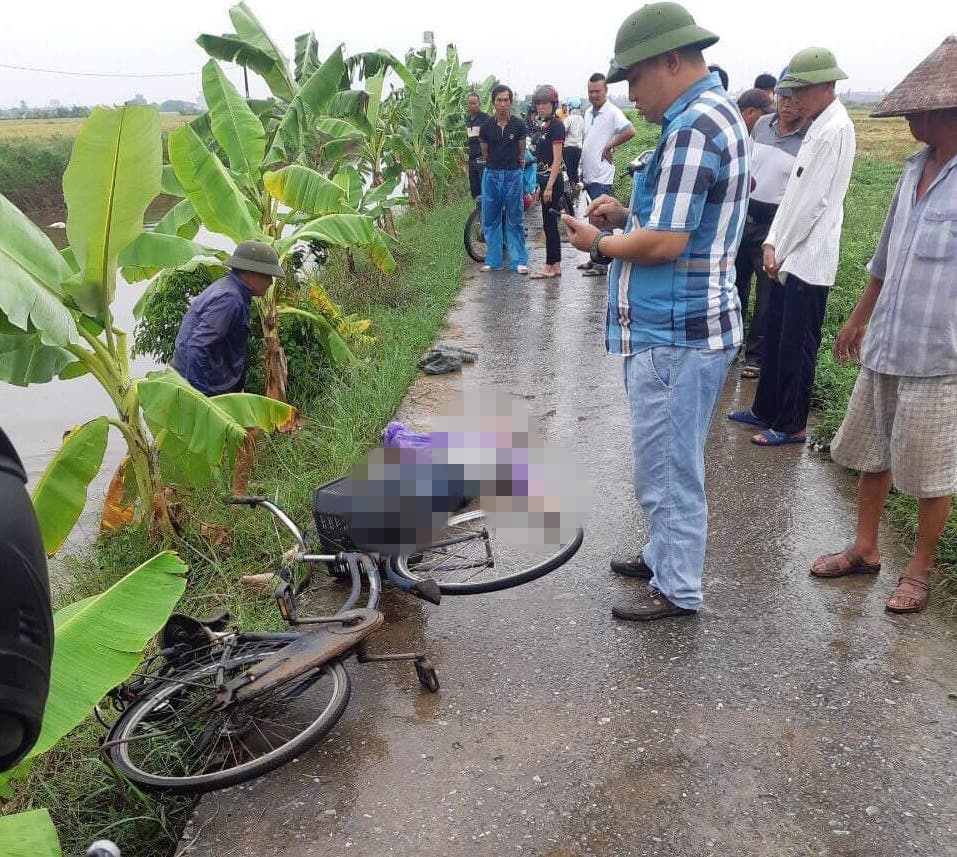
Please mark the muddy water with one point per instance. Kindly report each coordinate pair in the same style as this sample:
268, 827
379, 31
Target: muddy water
36, 417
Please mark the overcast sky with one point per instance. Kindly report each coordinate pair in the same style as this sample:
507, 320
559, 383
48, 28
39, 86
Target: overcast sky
876, 42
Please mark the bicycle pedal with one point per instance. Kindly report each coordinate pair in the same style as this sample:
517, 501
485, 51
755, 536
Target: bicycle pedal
286, 601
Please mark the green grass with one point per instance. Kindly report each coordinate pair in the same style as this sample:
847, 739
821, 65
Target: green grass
882, 145
345, 416
31, 171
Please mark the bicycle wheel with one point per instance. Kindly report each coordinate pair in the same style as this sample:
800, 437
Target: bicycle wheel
177, 739
469, 559
474, 238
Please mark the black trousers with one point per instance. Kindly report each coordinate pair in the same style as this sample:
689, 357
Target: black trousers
553, 240
749, 264
792, 338
475, 178
572, 156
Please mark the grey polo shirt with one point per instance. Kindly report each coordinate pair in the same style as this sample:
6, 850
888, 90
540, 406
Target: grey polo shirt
913, 329
772, 157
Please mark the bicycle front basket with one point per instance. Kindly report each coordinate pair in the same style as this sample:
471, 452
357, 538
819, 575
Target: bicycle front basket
333, 531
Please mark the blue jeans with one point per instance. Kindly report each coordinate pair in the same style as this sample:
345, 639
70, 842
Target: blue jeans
596, 189
672, 397
503, 189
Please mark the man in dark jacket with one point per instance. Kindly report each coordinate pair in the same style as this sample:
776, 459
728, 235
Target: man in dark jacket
211, 343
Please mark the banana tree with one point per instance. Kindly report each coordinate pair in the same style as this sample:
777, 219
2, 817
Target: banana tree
56, 319
99, 642
428, 137
248, 174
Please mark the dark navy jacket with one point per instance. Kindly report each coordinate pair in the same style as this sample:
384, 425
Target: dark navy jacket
211, 343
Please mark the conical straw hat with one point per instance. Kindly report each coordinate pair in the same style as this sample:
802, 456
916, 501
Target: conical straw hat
930, 86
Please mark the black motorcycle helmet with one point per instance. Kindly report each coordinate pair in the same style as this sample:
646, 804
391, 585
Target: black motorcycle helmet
26, 621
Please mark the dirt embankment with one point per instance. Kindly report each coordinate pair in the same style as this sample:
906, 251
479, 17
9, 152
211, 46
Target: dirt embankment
31, 173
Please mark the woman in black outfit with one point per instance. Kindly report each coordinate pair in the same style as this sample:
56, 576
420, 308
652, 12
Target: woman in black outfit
548, 155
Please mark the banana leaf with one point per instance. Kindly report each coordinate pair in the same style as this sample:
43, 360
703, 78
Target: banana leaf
31, 271
169, 184
334, 344
350, 181
29, 834
213, 194
60, 494
236, 128
232, 48
156, 250
180, 220
303, 189
100, 641
205, 427
250, 30
341, 230
114, 173
25, 360
307, 56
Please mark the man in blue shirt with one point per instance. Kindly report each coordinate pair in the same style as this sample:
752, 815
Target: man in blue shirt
673, 310
211, 343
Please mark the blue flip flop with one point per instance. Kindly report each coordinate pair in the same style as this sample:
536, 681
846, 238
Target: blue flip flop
777, 438
747, 418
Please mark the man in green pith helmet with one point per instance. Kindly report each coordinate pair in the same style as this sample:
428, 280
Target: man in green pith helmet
214, 334
801, 251
673, 310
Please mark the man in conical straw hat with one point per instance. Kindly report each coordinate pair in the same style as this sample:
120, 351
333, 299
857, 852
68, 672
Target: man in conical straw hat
901, 422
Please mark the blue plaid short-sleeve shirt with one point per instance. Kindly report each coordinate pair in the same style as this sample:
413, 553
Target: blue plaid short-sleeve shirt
697, 181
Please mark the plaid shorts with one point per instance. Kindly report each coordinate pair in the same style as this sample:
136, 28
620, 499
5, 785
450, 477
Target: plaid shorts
905, 425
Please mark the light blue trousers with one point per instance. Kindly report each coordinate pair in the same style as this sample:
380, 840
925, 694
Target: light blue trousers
672, 397
503, 189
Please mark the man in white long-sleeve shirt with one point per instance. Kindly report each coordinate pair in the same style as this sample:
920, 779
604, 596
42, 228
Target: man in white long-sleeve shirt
801, 251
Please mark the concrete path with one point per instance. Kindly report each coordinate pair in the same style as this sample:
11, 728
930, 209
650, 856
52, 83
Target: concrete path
791, 717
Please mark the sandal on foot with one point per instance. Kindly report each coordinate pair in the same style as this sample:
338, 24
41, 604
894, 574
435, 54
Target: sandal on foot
542, 275
586, 266
750, 372
747, 417
593, 272
830, 565
652, 605
770, 437
917, 602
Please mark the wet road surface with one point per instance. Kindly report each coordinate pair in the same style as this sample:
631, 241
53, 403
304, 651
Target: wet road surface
790, 717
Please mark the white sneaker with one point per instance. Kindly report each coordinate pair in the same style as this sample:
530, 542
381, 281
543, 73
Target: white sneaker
521, 269
486, 268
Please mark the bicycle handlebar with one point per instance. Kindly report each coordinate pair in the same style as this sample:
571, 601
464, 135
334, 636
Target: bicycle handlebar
237, 500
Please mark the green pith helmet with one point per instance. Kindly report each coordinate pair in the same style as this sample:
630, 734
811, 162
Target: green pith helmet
256, 256
653, 30
811, 66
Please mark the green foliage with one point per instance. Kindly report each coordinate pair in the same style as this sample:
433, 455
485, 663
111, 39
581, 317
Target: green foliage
163, 309
31, 172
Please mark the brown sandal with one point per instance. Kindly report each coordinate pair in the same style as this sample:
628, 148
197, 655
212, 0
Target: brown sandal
830, 566
918, 602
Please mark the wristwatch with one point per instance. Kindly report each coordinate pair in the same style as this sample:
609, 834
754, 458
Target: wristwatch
595, 254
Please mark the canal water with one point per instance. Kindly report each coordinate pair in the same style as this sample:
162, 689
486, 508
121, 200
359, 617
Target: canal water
36, 417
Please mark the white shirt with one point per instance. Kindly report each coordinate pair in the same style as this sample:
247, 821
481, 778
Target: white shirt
806, 232
600, 129
574, 130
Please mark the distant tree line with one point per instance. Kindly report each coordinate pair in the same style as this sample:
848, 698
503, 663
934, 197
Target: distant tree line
51, 111
55, 110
